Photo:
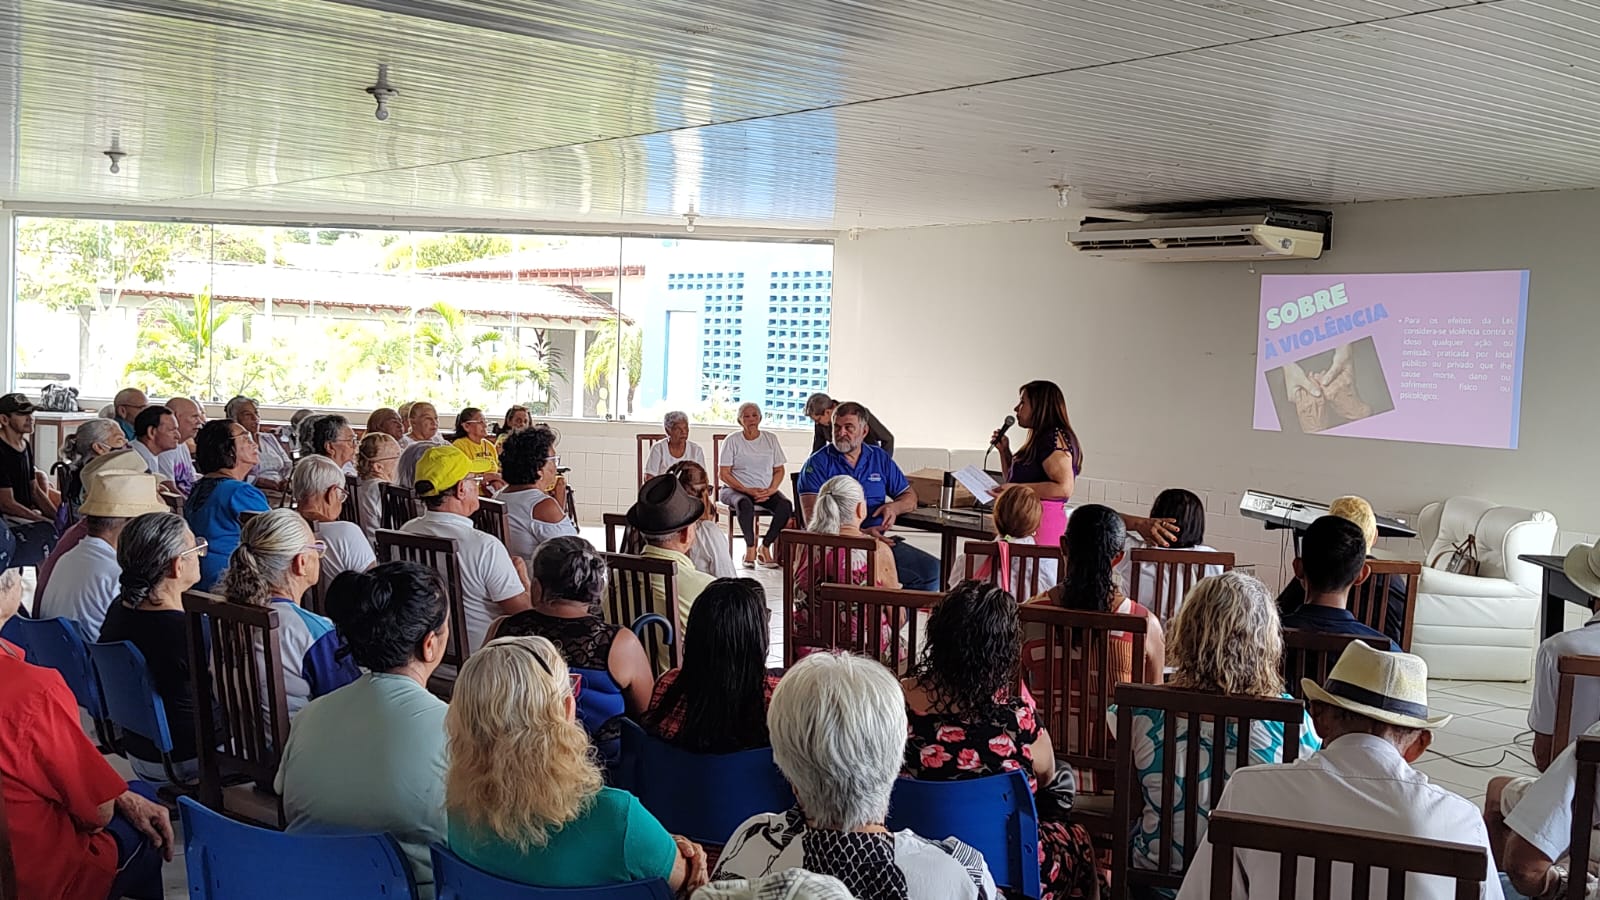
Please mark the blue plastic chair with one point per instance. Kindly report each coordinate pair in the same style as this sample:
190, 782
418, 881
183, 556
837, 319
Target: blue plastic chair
132, 702
994, 815
229, 860
57, 644
456, 879
702, 796
13, 632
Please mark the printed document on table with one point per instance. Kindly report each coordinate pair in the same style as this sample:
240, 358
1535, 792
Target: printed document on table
977, 481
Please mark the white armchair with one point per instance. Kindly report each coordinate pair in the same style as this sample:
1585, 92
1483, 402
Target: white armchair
1483, 627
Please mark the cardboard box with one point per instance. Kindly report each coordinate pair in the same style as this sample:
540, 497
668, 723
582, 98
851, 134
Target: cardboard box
927, 482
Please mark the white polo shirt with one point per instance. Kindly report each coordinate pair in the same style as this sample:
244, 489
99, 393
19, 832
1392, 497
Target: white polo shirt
1543, 816
1357, 781
1583, 641
150, 463
487, 575
348, 550
83, 585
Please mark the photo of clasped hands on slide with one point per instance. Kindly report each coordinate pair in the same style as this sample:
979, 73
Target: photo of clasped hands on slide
1331, 388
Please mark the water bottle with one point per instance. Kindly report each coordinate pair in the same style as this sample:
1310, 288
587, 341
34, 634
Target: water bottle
947, 493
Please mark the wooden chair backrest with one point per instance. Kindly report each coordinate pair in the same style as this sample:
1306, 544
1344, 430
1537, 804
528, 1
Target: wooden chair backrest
1568, 670
1229, 717
1325, 845
443, 556
243, 678
491, 519
399, 504
629, 596
1587, 757
1369, 602
881, 623
799, 517
620, 537
1067, 658
716, 461
810, 561
642, 444
350, 511
1176, 571
1311, 654
1026, 559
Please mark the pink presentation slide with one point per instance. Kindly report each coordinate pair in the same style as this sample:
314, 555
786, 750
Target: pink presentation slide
1434, 358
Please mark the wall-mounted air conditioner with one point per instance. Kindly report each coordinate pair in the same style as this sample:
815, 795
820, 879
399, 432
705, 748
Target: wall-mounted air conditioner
1277, 233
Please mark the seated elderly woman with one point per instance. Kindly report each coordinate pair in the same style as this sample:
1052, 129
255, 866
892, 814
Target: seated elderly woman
970, 716
371, 755
224, 452
524, 796
386, 420
318, 487
617, 677
677, 448
93, 439
840, 509
716, 702
332, 437
277, 559
472, 437
709, 552
516, 419
838, 725
271, 470
376, 456
535, 496
1225, 640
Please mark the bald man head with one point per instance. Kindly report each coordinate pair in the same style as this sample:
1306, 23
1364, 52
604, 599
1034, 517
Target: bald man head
189, 414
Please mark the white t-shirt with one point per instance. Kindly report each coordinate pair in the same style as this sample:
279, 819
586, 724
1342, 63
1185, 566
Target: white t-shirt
1583, 641
150, 463
524, 533
709, 553
177, 466
661, 459
348, 550
83, 586
1147, 573
274, 464
752, 462
369, 505
487, 575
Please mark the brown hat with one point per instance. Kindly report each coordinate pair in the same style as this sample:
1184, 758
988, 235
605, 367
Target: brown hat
665, 506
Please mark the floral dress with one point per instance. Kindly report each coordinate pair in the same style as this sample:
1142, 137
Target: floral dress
946, 747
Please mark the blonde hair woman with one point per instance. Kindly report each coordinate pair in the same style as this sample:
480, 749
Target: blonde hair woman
1226, 639
376, 458
524, 796
277, 560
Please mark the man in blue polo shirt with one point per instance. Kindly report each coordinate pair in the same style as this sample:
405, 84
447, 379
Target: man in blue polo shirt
887, 492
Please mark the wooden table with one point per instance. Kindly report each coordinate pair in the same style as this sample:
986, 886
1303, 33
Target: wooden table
45, 452
951, 526
1557, 588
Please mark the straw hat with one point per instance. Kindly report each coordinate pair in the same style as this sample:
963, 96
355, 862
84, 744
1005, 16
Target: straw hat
118, 461
123, 495
1582, 566
1385, 687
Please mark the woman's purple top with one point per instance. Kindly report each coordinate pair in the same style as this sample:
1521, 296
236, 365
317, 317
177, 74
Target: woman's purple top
1028, 468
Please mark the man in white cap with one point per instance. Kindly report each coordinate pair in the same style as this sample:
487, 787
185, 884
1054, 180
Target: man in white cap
88, 576
1582, 567
1372, 716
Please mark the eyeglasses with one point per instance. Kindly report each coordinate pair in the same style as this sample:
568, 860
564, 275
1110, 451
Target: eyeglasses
199, 548
245, 435
319, 547
554, 460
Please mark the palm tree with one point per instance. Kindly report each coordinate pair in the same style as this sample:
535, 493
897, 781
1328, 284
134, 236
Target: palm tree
453, 347
600, 360
178, 347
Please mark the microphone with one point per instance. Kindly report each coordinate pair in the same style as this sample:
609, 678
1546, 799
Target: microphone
1004, 427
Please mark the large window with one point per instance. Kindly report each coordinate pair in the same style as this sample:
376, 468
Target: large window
570, 326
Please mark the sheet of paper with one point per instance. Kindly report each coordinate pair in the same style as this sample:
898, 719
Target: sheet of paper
977, 481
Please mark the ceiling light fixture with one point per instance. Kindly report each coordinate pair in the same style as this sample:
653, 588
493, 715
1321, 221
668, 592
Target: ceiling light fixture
383, 92
1063, 194
116, 155
689, 218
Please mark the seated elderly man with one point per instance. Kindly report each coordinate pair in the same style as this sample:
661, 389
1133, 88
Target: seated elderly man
883, 485
77, 828
155, 432
666, 517
1372, 716
838, 726
1530, 825
819, 409
125, 407
177, 465
493, 584
318, 487
1582, 568
88, 577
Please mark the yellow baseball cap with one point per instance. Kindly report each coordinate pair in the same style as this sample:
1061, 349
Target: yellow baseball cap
443, 468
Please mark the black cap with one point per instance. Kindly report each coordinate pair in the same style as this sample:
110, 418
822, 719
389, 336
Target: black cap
15, 405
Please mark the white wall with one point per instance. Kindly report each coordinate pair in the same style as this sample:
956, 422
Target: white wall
935, 328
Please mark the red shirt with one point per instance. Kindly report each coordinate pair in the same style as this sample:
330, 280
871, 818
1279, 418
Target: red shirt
54, 782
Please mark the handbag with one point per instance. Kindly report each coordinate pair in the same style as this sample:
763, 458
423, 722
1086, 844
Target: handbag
1463, 557
58, 398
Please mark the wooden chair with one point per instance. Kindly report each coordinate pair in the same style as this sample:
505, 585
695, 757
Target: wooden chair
641, 449
243, 679
1311, 654
400, 505
1204, 716
441, 555
620, 536
1587, 757
1067, 656
1325, 845
1026, 559
1176, 571
630, 597
1569, 669
491, 519
1369, 602
351, 510
174, 502
810, 561
716, 489
882, 623
794, 494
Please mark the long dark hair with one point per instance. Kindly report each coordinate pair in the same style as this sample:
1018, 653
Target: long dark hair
1095, 535
722, 683
466, 413
970, 658
1049, 419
